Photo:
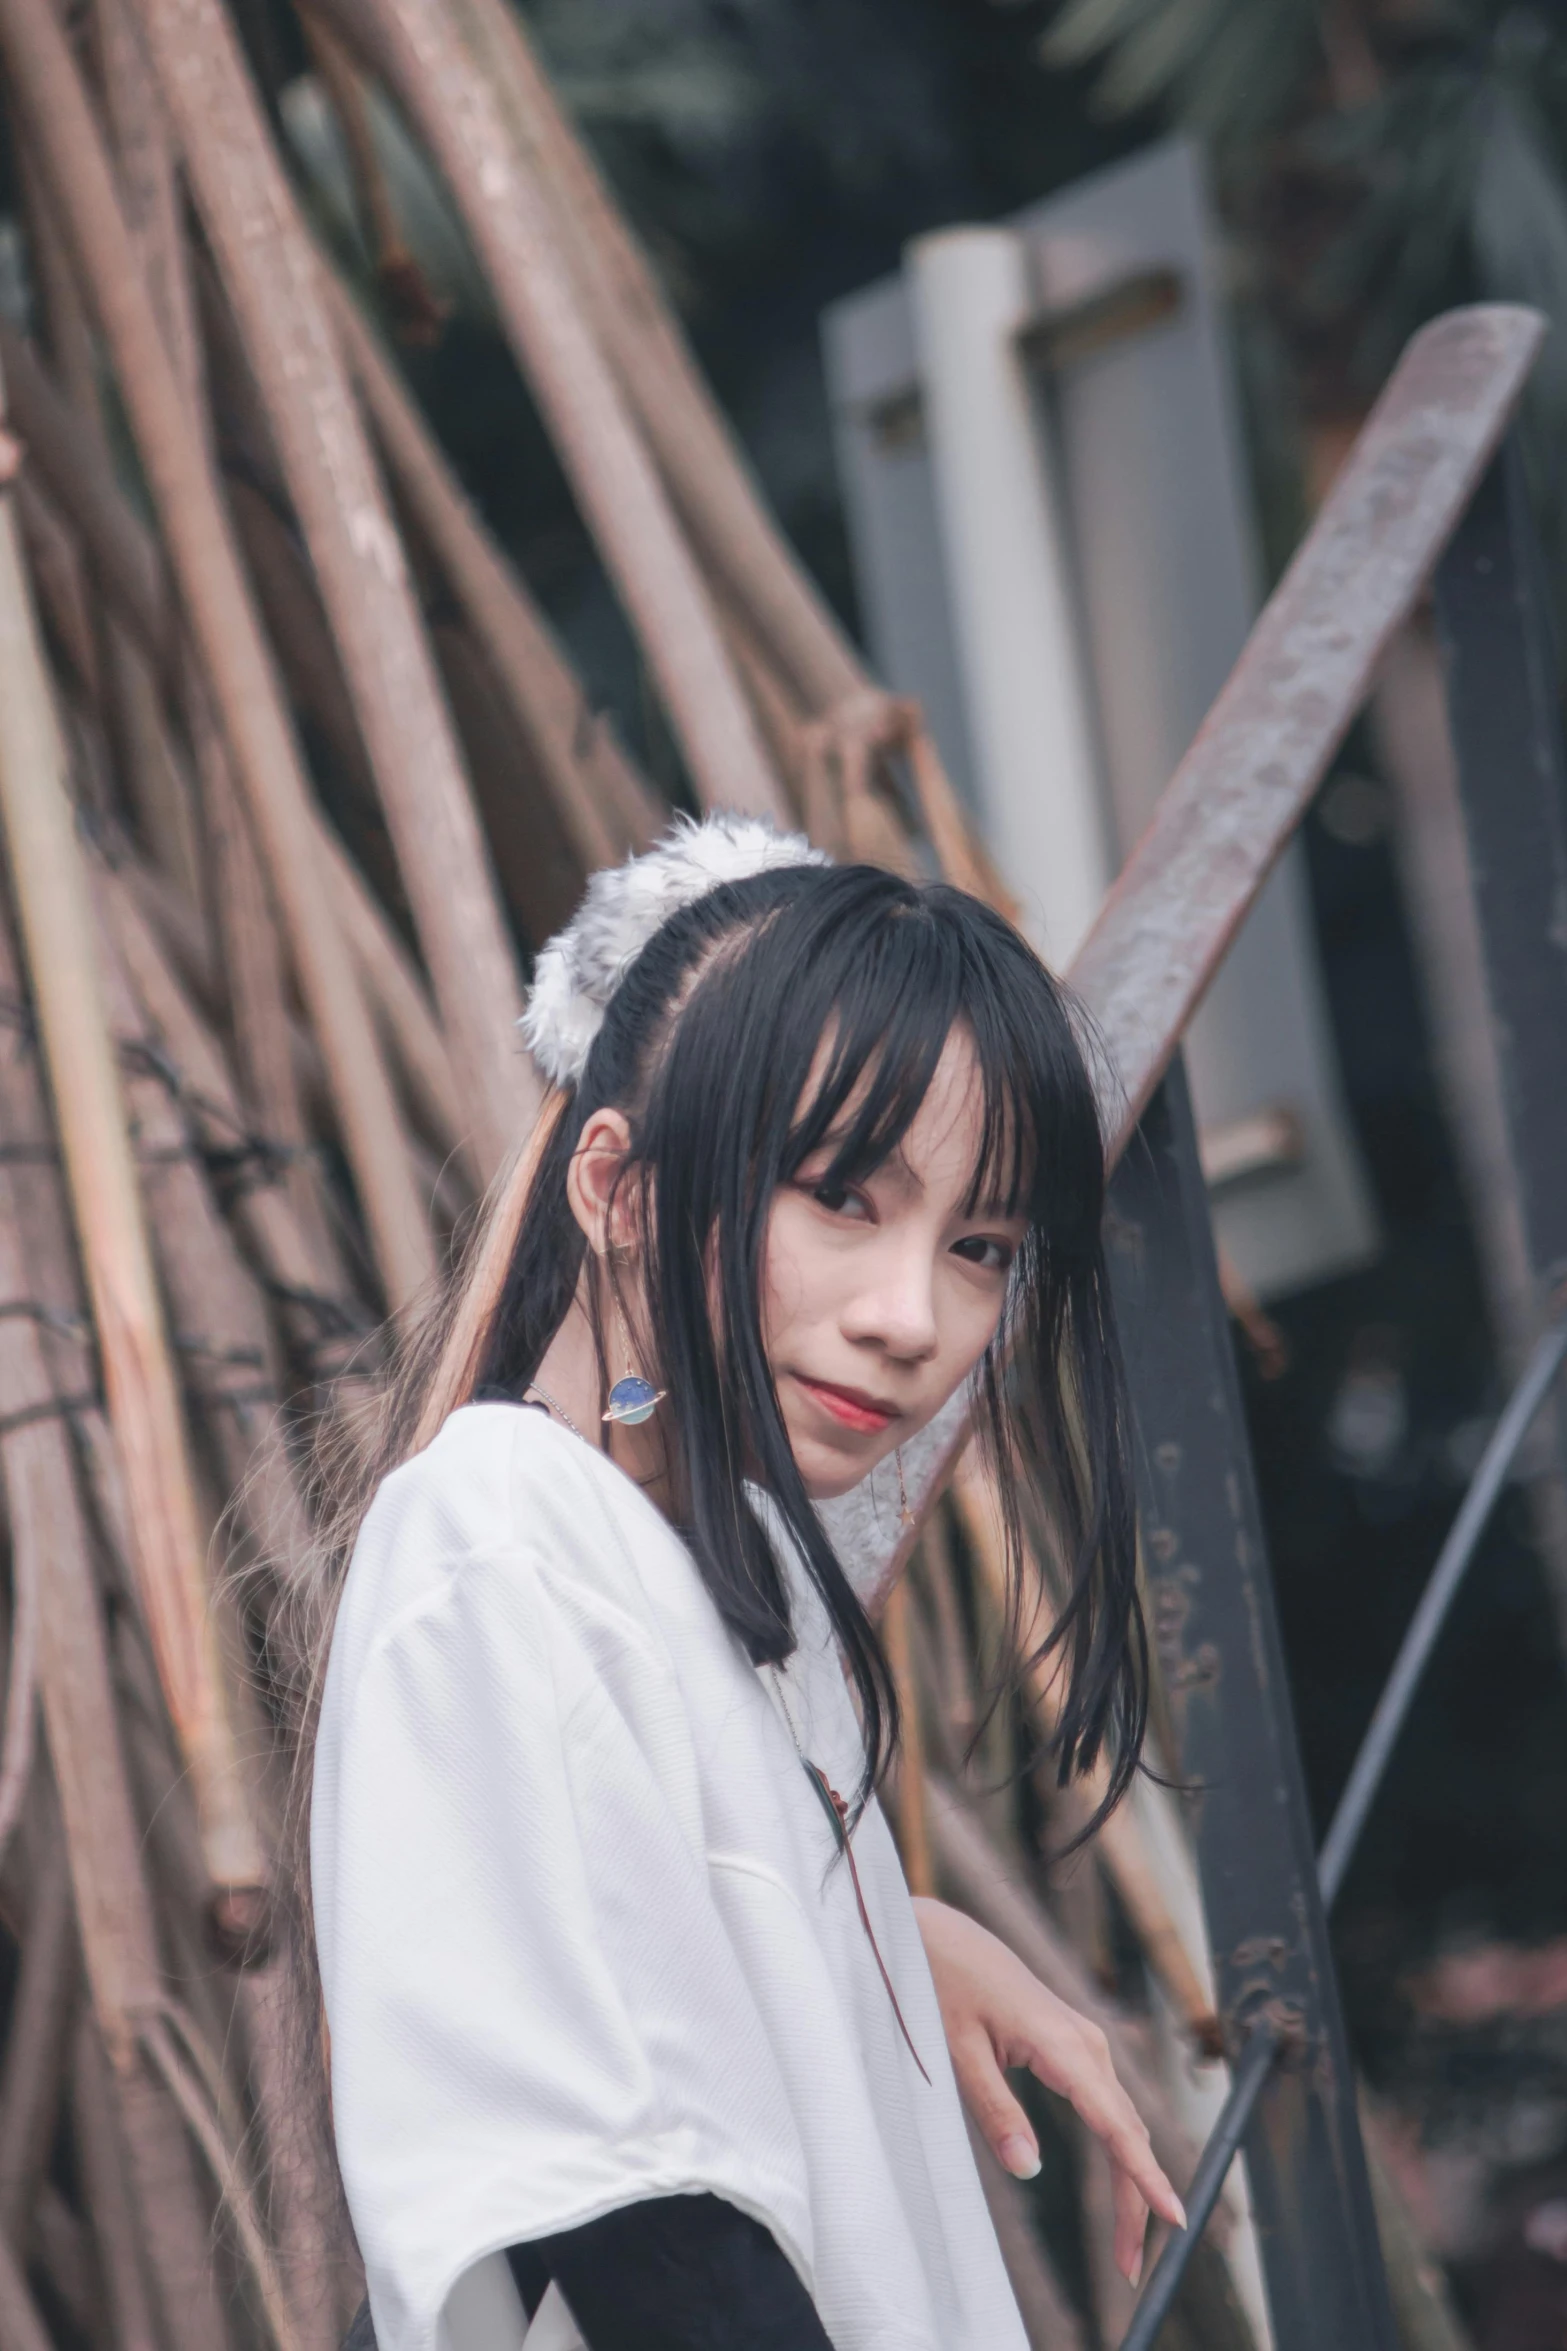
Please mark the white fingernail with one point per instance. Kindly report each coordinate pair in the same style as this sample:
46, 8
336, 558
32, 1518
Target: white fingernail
1134, 2274
1021, 2157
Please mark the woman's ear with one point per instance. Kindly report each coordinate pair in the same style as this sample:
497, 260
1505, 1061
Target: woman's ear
591, 1180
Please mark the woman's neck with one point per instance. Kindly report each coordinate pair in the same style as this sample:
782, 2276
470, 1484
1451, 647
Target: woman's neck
568, 1381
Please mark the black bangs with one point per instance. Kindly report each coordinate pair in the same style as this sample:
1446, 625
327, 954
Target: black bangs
811, 1006
893, 1011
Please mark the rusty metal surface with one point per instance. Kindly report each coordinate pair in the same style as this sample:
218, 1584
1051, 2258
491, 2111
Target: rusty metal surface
1246, 782
1248, 779
1211, 1602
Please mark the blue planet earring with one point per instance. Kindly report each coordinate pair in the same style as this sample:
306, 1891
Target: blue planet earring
632, 1400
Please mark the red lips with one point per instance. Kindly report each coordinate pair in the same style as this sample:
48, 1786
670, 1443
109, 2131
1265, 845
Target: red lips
851, 1406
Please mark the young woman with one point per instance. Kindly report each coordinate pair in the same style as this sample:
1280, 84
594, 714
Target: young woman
636, 2037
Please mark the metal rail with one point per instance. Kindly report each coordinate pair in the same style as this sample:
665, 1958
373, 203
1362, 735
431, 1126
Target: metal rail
1242, 789
1265, 2046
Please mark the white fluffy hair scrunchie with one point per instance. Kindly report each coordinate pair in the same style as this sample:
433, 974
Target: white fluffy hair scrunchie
579, 969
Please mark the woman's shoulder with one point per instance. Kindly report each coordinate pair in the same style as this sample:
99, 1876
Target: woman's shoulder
503, 1483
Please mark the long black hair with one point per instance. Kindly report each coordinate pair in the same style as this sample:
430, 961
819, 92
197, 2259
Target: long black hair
805, 1004
708, 1047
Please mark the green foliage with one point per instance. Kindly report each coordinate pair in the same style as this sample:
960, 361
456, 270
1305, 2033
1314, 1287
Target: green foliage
1227, 68
1377, 160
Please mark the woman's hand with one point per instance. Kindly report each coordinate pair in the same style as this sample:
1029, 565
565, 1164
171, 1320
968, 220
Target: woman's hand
997, 2015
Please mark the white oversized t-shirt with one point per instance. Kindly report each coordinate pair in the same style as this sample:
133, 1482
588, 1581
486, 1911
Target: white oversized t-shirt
583, 1935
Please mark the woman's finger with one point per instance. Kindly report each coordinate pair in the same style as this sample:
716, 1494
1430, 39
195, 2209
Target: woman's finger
997, 2115
1131, 2225
1091, 2084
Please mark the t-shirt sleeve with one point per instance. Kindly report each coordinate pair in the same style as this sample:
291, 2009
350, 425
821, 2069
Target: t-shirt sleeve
535, 2014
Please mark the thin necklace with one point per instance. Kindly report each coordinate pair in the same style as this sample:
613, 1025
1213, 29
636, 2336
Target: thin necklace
559, 1410
843, 1827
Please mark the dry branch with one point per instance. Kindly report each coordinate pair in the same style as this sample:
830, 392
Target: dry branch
612, 475
219, 1319
100, 2156
102, 1837
598, 793
269, 275
696, 450
43, 2006
223, 623
263, 1215
131, 571
55, 912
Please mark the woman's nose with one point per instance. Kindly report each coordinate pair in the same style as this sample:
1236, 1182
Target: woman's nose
896, 1308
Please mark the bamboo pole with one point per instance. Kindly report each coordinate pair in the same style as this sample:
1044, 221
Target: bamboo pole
223, 623
56, 917
54, 566
148, 180
598, 792
101, 2161
696, 450
219, 1319
612, 475
321, 2268
758, 572
253, 959
270, 278
397, 993
153, 2107
38, 2033
263, 1215
378, 224
19, 1747
102, 1837
21, 2325
74, 465
253, 966
130, 569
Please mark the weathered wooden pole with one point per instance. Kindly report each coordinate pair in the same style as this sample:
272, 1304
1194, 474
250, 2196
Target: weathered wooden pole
602, 800
223, 625
611, 472
54, 908
269, 275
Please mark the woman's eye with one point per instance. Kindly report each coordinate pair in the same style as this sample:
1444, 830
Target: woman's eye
838, 1200
985, 1250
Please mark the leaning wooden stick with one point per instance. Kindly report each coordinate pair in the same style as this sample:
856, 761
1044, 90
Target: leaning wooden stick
262, 249
103, 1840
610, 469
55, 911
604, 802
223, 623
695, 447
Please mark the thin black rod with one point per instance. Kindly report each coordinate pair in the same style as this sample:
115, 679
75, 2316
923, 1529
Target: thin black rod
1257, 2059
1252, 2070
1425, 1626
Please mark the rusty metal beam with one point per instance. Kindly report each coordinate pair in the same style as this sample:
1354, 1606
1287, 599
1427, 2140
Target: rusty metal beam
1211, 1601
1248, 779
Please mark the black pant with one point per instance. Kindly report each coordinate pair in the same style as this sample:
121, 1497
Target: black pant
675, 2273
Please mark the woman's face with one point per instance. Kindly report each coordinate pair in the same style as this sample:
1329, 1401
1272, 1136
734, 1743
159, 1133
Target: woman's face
879, 1300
